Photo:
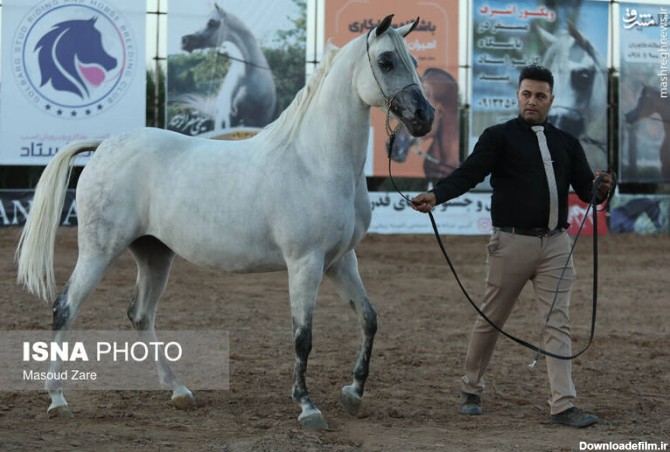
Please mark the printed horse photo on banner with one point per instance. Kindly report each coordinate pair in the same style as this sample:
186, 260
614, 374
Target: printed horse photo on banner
220, 80
580, 87
439, 148
236, 206
648, 137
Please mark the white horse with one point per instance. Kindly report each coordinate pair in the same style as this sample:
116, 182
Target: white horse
292, 197
580, 87
247, 97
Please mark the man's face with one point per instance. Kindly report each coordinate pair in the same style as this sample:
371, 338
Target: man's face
534, 99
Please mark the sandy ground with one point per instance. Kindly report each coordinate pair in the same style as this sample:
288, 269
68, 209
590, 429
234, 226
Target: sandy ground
412, 392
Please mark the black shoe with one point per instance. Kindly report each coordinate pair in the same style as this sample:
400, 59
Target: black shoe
573, 417
472, 406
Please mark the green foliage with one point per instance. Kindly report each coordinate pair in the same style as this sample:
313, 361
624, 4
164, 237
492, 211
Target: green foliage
288, 60
200, 72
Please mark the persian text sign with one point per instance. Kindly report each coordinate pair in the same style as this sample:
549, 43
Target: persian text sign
508, 35
469, 214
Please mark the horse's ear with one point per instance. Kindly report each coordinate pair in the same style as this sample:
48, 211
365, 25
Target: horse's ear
581, 40
546, 37
572, 30
384, 25
218, 8
407, 29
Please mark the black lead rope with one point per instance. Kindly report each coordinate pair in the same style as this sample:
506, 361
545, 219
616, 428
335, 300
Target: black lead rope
539, 351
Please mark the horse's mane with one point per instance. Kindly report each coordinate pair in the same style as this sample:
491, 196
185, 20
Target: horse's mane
285, 126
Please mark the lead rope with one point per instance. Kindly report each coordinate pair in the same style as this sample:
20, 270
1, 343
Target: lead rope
539, 351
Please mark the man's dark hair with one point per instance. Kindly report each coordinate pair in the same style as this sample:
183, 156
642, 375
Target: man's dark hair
538, 73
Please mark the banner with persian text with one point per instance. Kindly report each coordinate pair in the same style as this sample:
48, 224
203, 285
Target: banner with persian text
469, 214
508, 35
434, 43
644, 105
70, 71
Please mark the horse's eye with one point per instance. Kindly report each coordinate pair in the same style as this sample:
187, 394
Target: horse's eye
213, 23
582, 78
385, 61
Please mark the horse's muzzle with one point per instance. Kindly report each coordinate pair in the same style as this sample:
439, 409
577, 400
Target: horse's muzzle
413, 110
571, 122
632, 116
191, 42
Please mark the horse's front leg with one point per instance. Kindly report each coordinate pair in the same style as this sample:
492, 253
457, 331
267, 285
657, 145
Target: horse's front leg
304, 280
347, 281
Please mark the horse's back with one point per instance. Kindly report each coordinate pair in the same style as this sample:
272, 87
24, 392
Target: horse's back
151, 181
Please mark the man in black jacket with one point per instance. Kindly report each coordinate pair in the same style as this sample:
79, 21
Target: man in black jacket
532, 166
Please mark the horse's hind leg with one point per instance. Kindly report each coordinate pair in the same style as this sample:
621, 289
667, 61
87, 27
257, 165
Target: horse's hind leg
347, 281
304, 280
154, 261
86, 275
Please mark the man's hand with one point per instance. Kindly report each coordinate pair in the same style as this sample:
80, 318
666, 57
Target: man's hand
605, 183
424, 202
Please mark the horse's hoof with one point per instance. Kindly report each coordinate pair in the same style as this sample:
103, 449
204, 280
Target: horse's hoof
184, 402
62, 411
313, 421
350, 400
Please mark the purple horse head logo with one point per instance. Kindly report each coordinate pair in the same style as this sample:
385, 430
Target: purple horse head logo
72, 58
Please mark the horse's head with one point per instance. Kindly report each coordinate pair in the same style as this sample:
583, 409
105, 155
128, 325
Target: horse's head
387, 78
213, 35
72, 58
579, 82
645, 104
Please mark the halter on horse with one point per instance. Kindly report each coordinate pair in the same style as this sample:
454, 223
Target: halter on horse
293, 197
441, 154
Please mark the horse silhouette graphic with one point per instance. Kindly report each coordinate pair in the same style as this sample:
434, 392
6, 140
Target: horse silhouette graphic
72, 58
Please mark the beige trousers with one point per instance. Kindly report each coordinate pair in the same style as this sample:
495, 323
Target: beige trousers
513, 260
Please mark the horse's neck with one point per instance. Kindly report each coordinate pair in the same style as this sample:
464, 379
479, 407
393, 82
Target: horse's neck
337, 121
246, 42
663, 109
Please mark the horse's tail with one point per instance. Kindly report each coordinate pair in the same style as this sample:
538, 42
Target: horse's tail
35, 250
204, 104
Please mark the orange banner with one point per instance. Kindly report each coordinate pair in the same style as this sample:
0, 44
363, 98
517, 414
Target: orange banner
434, 44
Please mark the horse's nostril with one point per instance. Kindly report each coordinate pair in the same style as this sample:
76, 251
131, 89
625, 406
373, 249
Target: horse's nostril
425, 115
